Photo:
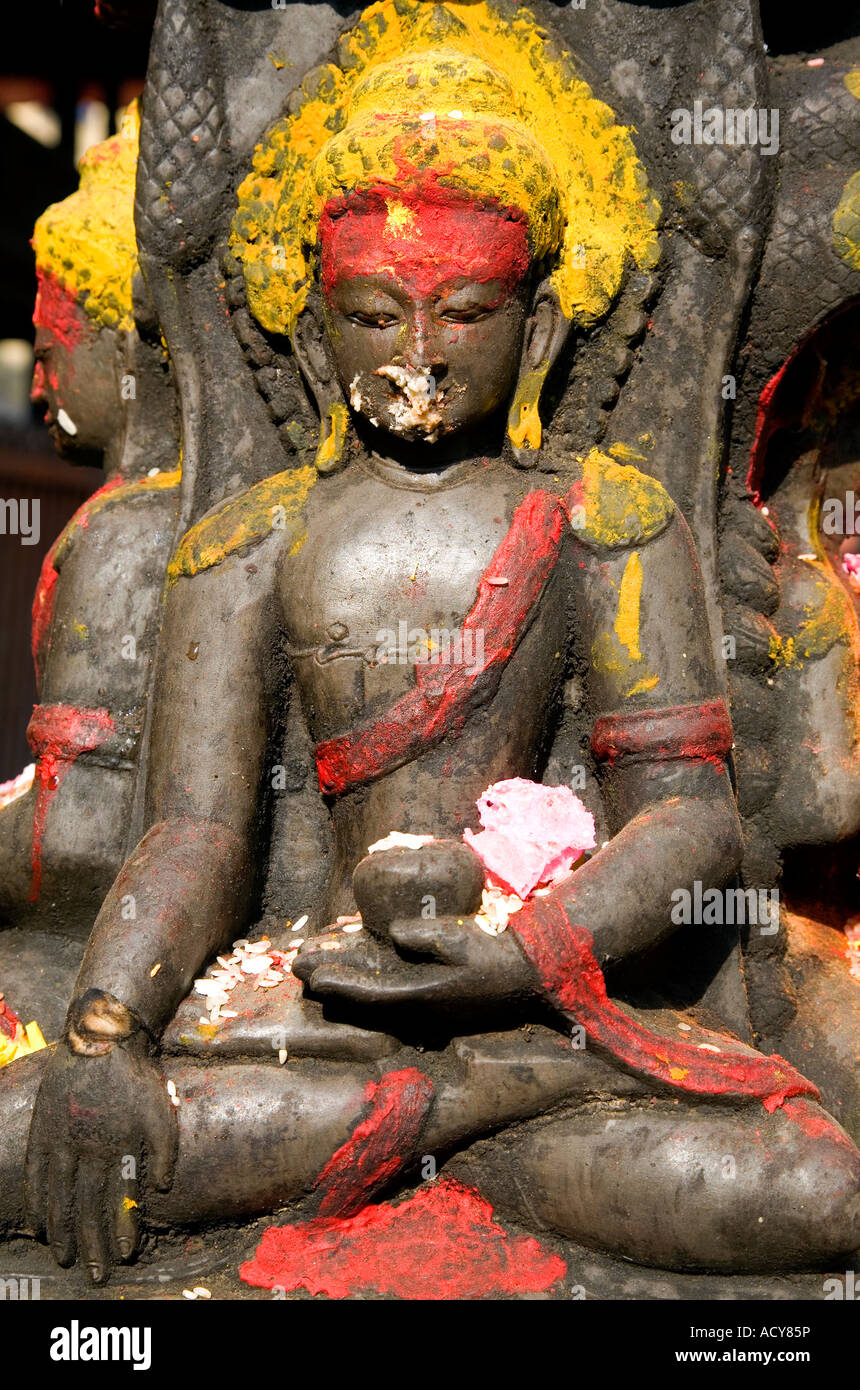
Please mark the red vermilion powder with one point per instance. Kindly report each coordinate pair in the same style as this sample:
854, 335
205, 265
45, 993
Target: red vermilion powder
442, 1243
444, 695
815, 1122
562, 954
424, 236
57, 310
43, 599
57, 735
379, 1145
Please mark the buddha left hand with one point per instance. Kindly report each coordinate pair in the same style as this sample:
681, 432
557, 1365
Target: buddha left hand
102, 1114
458, 964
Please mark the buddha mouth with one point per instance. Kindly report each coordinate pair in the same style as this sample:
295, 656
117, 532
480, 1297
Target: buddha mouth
416, 407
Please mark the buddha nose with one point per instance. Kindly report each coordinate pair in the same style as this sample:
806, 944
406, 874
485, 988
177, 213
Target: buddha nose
424, 351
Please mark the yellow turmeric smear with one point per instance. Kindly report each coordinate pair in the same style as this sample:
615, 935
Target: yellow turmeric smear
524, 424
622, 505
827, 624
626, 452
332, 437
627, 621
275, 504
618, 653
511, 121
87, 242
846, 223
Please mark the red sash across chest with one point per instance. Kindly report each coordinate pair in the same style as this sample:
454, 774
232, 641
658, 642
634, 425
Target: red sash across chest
446, 693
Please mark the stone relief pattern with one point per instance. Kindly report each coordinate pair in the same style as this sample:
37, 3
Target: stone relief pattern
183, 143
731, 182
802, 278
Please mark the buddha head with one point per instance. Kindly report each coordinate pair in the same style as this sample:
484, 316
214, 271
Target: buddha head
431, 219
86, 258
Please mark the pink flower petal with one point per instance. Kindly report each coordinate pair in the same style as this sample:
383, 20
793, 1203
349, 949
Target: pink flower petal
517, 865
532, 834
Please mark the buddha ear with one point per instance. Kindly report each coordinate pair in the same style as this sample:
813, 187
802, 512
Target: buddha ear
545, 336
310, 344
548, 327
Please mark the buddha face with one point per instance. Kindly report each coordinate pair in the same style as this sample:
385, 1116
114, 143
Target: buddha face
426, 301
76, 375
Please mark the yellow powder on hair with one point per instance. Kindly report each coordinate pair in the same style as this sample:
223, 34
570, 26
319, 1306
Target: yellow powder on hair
87, 242
492, 108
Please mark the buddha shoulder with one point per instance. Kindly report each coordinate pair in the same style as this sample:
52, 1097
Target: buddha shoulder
112, 498
273, 507
613, 505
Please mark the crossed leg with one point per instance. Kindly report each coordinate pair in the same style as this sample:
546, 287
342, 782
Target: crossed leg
669, 1184
723, 1187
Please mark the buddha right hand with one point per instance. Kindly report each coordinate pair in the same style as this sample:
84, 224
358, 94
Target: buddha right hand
102, 1115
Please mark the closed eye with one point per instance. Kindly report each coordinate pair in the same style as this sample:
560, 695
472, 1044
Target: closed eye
472, 315
372, 320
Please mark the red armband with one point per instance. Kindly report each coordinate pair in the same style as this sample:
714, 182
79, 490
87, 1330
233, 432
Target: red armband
58, 734
702, 733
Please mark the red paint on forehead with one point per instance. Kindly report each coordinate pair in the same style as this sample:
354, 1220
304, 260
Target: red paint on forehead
423, 236
58, 311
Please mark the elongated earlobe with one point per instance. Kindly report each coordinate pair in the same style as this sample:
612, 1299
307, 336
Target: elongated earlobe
333, 428
524, 425
312, 354
545, 338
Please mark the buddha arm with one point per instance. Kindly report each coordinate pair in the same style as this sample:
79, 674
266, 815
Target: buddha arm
189, 885
662, 744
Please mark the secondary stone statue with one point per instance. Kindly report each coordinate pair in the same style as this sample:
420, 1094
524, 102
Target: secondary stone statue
435, 216
104, 379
